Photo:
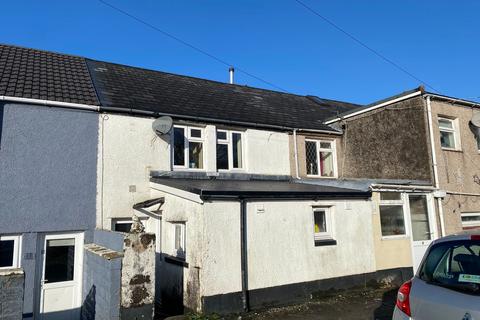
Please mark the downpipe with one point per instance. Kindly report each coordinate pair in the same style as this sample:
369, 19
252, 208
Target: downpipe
243, 253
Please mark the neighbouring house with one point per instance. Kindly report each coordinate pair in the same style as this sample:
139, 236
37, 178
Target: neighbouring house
53, 263
427, 146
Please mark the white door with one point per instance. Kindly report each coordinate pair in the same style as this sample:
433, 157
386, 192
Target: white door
60, 287
423, 225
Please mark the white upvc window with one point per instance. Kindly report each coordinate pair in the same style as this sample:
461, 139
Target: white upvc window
230, 150
470, 220
124, 224
392, 214
322, 223
321, 158
449, 135
188, 150
179, 240
10, 251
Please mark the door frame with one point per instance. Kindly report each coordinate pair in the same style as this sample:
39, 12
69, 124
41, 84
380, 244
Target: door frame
78, 273
432, 219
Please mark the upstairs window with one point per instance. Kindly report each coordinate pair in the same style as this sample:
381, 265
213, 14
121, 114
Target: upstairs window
188, 147
229, 150
321, 158
448, 133
392, 218
10, 251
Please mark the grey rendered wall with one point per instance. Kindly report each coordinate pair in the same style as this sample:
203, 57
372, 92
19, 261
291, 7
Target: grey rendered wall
47, 178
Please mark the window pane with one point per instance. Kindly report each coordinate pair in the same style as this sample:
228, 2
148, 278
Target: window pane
6, 253
179, 147
444, 123
471, 218
221, 135
391, 218
390, 196
320, 221
325, 145
59, 260
237, 150
419, 214
123, 227
196, 155
447, 139
195, 133
326, 164
178, 237
222, 156
311, 157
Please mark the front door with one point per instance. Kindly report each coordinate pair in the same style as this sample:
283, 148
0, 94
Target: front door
60, 287
422, 225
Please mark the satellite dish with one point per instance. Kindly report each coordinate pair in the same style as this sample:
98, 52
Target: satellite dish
476, 120
162, 125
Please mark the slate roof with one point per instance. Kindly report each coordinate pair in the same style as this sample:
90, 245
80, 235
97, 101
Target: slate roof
44, 75
36, 74
121, 86
206, 188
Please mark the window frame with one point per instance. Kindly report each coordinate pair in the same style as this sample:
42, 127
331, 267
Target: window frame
115, 221
187, 133
329, 234
17, 250
403, 203
183, 240
470, 224
229, 143
333, 150
454, 130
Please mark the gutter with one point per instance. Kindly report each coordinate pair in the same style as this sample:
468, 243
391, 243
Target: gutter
380, 105
435, 165
51, 103
401, 187
453, 100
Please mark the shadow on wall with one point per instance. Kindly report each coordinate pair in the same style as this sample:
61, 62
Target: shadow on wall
88, 306
171, 284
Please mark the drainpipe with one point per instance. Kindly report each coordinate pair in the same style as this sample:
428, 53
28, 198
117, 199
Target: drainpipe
435, 166
295, 151
243, 253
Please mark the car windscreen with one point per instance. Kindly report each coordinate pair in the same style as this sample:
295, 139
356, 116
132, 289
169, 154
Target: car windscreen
454, 265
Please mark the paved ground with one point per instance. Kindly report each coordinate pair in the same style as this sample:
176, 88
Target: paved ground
371, 305
357, 305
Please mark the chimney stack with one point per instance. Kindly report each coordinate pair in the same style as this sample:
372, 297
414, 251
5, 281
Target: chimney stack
231, 71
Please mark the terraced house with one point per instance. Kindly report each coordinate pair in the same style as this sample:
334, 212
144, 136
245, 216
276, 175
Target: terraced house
255, 197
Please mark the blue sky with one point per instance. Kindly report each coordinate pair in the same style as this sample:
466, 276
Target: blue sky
279, 41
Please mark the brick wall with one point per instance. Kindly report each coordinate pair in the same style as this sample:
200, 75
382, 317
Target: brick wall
11, 294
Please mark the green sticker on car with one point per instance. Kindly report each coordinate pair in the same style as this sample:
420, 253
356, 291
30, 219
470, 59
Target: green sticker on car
472, 278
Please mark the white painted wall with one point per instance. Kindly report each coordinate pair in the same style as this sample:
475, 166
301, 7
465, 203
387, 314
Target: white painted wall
281, 246
128, 150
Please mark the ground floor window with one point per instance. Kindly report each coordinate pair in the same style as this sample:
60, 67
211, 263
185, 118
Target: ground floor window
179, 240
470, 220
392, 217
322, 225
10, 247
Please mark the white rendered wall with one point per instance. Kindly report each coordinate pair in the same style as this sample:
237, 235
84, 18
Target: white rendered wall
128, 149
281, 246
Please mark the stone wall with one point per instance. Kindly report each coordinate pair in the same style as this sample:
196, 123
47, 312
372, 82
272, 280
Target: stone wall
11, 294
138, 276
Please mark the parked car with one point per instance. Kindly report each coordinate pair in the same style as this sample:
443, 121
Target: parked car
447, 283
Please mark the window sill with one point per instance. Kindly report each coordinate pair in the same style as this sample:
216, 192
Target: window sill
452, 150
176, 261
325, 242
321, 177
399, 237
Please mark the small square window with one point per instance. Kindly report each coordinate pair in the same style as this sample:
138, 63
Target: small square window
392, 220
10, 251
390, 196
322, 224
124, 225
195, 133
221, 135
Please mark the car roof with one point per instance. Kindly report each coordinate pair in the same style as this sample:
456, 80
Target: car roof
465, 235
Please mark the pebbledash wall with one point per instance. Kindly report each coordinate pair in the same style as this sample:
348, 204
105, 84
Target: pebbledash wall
128, 150
458, 170
47, 179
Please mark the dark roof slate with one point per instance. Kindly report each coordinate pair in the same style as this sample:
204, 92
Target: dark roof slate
121, 86
259, 188
36, 74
